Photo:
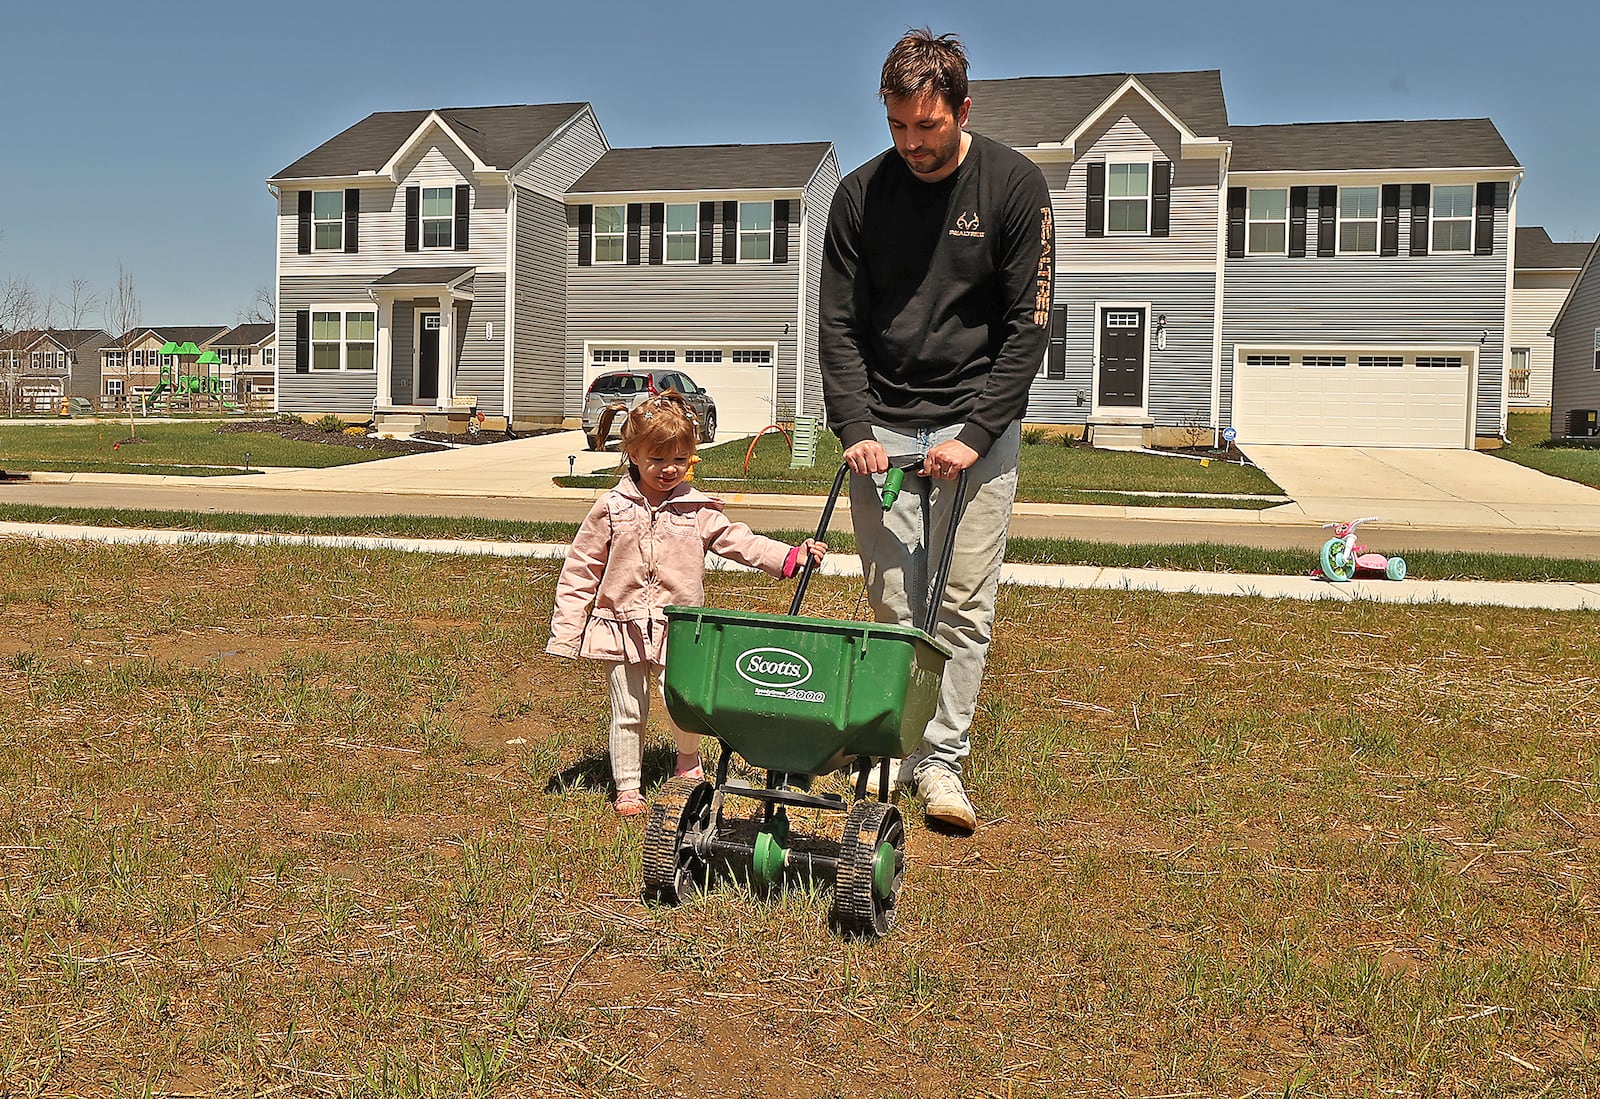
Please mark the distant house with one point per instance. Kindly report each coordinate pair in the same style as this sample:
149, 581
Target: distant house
1545, 272
707, 258
132, 364
40, 367
1575, 385
1311, 283
248, 362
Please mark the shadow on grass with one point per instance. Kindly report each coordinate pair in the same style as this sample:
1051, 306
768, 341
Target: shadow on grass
593, 772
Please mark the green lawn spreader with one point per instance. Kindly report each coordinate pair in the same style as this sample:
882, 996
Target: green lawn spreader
798, 698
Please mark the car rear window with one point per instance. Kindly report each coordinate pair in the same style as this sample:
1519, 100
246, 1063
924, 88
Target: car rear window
618, 383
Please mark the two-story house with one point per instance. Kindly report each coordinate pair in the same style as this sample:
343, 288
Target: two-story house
1575, 382
40, 367
707, 258
136, 364
247, 362
1545, 272
1338, 283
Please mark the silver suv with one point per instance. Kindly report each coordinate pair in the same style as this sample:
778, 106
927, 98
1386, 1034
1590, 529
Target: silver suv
618, 392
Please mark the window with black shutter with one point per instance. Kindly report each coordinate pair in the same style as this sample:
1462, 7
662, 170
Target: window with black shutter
708, 219
303, 244
1055, 361
1297, 220
1094, 214
352, 219
656, 223
1161, 199
1419, 219
463, 215
1327, 219
1389, 225
585, 235
780, 230
302, 341
413, 219
1483, 237
1236, 200
635, 220
730, 232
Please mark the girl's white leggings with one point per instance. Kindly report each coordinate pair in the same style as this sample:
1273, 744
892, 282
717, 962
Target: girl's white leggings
630, 708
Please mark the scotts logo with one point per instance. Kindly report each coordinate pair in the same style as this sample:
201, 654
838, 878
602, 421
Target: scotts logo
773, 667
967, 225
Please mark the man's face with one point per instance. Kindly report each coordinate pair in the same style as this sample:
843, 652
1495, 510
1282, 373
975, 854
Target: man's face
927, 133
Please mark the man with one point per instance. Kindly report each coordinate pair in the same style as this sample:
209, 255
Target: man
936, 289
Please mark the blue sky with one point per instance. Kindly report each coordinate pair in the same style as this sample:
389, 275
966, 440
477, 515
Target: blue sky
142, 133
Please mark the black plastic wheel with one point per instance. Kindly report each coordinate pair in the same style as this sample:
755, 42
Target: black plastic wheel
680, 814
872, 863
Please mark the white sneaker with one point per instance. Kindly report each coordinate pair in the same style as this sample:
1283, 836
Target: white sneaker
946, 799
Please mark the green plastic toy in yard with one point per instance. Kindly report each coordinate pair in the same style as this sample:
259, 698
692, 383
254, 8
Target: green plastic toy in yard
796, 697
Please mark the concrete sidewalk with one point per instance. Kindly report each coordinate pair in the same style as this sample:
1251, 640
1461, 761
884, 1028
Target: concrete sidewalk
1546, 596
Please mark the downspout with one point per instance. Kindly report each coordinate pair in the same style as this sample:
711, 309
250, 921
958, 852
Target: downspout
512, 214
1216, 311
277, 295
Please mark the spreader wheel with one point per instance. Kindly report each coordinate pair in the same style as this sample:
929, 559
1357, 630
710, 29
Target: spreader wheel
680, 814
871, 864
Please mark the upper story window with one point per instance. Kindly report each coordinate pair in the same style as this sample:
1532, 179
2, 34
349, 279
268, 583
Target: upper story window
610, 234
269, 356
327, 221
1358, 220
683, 232
438, 217
344, 339
1267, 222
755, 232
1452, 218
1127, 198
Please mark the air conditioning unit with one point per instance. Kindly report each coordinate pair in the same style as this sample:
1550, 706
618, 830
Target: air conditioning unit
1583, 423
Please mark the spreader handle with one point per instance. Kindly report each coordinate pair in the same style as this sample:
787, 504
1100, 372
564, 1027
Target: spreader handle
822, 531
942, 575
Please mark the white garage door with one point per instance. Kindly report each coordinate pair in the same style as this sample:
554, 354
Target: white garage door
1353, 398
742, 381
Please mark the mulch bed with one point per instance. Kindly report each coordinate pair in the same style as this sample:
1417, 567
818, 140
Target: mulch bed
309, 433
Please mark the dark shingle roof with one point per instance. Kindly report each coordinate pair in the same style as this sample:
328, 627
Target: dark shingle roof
1360, 146
424, 276
245, 335
1029, 110
1537, 252
195, 334
499, 136
703, 168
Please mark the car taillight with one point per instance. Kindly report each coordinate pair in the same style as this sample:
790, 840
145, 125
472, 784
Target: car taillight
650, 383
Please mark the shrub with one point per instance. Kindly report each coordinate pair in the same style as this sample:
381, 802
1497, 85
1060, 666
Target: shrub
1033, 436
329, 423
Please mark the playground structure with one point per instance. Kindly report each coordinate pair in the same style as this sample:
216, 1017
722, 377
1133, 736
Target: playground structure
189, 387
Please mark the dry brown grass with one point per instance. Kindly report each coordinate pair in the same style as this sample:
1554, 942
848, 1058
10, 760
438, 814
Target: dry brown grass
294, 822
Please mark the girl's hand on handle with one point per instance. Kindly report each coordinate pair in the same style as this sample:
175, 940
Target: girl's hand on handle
815, 548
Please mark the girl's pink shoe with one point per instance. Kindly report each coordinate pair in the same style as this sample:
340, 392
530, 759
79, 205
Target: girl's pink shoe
689, 767
630, 803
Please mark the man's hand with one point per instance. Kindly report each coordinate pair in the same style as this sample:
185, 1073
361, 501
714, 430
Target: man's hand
867, 456
946, 460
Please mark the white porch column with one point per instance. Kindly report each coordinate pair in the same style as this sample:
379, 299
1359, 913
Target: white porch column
447, 350
385, 397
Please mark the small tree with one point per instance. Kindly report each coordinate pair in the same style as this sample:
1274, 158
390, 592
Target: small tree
122, 318
263, 308
19, 310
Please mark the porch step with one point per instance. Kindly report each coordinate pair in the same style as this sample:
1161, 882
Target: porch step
397, 423
1117, 436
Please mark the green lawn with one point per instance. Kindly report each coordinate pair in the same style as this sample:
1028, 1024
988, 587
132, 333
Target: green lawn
165, 448
1529, 436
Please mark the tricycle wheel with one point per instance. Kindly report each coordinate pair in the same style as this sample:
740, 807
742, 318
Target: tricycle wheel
1396, 568
681, 815
871, 864
1337, 565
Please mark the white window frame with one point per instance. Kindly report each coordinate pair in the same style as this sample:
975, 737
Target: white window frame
1376, 221
114, 360
1250, 222
323, 222
620, 236
754, 235
1597, 349
1145, 200
113, 387
1521, 363
423, 218
344, 342
692, 233
269, 356
1434, 220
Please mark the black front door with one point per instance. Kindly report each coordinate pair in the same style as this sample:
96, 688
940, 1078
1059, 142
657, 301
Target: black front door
428, 356
1121, 358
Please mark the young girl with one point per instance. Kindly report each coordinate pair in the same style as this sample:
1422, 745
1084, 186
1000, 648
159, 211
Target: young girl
641, 548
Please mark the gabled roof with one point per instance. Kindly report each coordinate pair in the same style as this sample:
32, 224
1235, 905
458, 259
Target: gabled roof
1369, 146
252, 334
196, 335
67, 338
1028, 111
500, 137
703, 168
1584, 272
1537, 252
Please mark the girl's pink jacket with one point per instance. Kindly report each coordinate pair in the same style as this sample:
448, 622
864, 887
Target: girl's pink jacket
629, 561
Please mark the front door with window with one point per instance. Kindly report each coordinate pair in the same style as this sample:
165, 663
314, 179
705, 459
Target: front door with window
1121, 380
428, 327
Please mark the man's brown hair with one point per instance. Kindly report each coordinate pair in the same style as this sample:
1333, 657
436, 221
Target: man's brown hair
925, 62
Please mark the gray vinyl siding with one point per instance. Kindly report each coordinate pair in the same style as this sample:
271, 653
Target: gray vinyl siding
1577, 382
1178, 380
320, 393
818, 197
1368, 300
705, 304
540, 302
481, 362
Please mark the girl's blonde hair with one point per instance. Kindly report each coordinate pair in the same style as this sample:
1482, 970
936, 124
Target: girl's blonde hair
662, 424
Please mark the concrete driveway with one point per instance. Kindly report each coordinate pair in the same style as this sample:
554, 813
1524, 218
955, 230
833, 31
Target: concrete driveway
1432, 488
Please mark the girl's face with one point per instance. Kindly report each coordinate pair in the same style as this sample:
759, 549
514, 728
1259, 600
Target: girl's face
660, 473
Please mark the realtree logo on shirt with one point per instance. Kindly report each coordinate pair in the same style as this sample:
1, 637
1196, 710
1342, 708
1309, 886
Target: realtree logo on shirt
967, 226
1047, 247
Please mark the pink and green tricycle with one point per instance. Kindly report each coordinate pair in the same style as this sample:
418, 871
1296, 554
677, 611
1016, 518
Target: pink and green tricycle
1343, 559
